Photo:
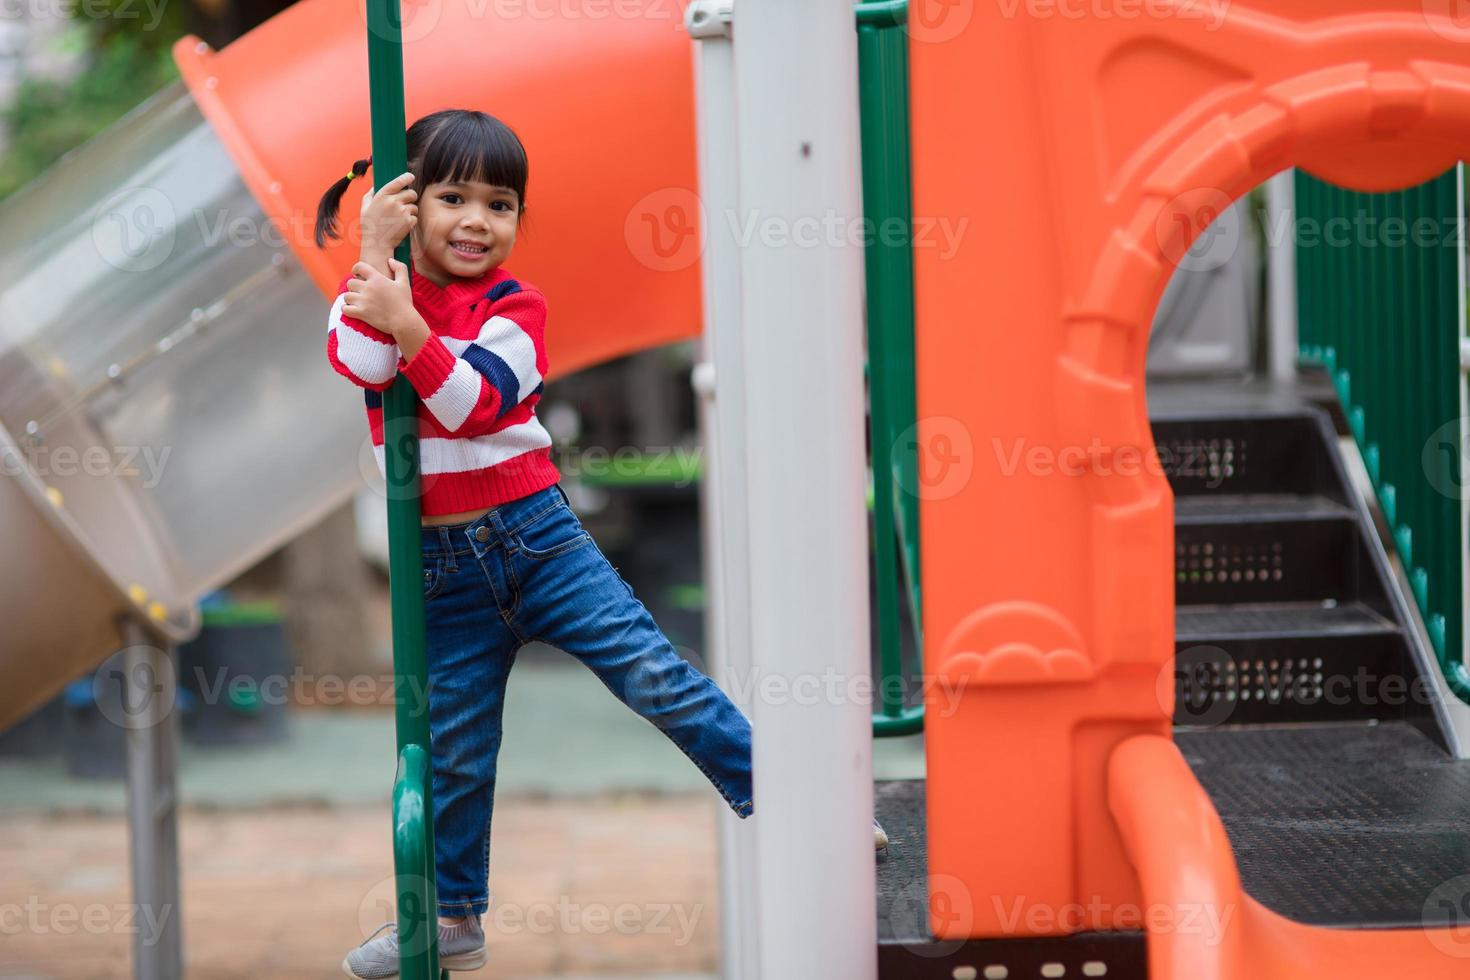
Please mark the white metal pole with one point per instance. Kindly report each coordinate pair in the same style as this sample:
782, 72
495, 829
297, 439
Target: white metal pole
1457, 710
801, 329
1281, 326
722, 437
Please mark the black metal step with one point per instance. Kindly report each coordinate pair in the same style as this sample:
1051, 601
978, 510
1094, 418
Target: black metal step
1257, 507
1277, 620
1285, 612
1276, 663
1362, 825
1245, 453
1264, 560
1303, 679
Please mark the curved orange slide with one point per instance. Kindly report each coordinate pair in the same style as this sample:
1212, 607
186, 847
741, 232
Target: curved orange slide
1175, 839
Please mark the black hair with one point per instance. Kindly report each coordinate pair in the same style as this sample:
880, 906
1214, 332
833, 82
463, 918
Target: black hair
448, 145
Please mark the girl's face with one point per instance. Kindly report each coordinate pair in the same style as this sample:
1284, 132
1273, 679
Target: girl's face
465, 229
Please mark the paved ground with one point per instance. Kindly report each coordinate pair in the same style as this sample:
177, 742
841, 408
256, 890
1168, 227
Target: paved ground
604, 858
582, 888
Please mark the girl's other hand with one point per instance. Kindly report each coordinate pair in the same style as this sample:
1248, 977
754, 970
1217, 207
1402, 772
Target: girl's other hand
386, 302
387, 216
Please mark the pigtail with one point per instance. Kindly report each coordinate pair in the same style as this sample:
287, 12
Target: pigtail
326, 209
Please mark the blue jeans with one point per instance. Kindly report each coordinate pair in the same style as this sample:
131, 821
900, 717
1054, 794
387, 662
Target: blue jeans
525, 571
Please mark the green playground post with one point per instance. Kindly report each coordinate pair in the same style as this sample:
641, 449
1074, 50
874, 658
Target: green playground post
413, 801
883, 105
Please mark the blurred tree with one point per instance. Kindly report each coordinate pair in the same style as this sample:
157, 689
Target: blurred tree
50, 117
127, 57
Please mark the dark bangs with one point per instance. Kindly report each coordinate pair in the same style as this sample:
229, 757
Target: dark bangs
466, 145
448, 145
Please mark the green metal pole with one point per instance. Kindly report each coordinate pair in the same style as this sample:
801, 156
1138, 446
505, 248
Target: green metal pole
888, 258
413, 808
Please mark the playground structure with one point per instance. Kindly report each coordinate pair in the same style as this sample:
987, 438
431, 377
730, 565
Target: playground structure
1051, 603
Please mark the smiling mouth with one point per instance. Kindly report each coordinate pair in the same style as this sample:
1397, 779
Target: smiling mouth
469, 250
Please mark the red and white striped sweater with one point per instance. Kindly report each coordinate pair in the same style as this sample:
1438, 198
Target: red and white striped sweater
478, 377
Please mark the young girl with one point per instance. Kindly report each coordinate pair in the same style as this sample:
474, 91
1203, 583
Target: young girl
506, 561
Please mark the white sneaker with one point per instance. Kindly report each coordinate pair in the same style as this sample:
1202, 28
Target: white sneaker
461, 947
880, 837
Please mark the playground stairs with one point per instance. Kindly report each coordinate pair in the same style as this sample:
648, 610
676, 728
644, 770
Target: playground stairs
1304, 707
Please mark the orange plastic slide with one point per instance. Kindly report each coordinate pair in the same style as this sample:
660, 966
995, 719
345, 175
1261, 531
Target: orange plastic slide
1208, 928
1084, 144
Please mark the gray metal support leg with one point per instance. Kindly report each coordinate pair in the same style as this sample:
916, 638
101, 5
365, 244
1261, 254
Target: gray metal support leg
149, 680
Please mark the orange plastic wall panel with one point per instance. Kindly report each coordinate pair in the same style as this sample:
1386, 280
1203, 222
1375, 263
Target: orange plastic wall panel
600, 94
1065, 154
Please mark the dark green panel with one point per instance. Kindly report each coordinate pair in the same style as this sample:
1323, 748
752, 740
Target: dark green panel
1378, 306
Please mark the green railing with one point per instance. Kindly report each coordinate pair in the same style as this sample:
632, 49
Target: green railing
1378, 306
883, 72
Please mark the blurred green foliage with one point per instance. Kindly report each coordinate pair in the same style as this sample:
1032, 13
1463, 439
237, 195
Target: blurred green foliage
126, 45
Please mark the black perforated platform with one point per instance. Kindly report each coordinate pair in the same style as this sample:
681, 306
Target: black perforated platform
907, 951
1340, 825
902, 889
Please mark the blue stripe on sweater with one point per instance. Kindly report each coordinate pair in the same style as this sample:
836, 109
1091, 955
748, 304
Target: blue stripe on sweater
502, 290
498, 373
373, 398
